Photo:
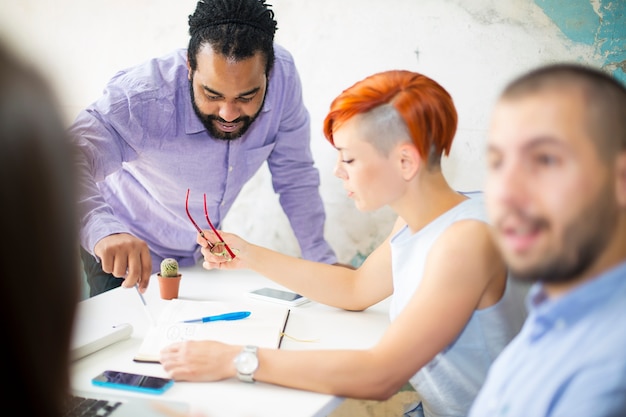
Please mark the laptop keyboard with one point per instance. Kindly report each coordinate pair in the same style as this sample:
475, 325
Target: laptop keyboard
87, 407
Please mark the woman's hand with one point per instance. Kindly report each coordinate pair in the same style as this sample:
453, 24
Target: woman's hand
217, 256
199, 360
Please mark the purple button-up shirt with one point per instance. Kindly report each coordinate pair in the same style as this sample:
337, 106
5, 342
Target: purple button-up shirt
142, 147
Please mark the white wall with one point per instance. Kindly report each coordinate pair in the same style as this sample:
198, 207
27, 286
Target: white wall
471, 47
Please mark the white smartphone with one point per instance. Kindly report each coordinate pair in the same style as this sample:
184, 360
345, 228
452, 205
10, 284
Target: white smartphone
133, 382
278, 296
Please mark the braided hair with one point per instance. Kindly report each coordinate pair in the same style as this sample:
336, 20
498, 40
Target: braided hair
234, 28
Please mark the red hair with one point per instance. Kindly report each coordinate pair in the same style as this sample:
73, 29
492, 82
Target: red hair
426, 108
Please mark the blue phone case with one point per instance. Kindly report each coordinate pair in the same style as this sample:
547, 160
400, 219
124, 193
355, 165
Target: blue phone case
133, 382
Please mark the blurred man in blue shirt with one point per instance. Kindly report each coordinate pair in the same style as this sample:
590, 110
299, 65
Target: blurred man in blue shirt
205, 119
556, 193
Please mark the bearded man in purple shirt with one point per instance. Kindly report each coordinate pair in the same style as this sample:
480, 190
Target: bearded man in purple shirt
202, 119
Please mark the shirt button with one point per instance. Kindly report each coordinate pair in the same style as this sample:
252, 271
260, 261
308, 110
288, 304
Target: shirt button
222, 204
230, 168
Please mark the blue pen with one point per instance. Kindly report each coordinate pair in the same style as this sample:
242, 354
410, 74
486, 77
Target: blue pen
238, 315
145, 306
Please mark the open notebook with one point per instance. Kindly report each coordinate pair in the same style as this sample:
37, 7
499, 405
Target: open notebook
263, 328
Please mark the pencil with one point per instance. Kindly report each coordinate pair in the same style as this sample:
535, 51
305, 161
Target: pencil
282, 334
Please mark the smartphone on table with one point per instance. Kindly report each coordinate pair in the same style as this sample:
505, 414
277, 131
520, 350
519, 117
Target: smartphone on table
132, 382
278, 296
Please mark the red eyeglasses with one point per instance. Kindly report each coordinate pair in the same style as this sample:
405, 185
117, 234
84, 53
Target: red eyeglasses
213, 246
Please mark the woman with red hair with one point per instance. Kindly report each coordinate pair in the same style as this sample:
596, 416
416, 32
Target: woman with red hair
451, 311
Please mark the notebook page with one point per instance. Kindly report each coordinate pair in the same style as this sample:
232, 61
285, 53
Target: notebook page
262, 328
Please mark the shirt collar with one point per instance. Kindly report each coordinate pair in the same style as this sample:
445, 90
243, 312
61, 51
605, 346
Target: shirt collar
547, 314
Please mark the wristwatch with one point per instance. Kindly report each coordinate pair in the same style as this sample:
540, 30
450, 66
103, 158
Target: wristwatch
246, 362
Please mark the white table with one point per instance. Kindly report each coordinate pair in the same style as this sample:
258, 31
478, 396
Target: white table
331, 328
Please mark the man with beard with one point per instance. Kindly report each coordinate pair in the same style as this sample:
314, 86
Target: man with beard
556, 194
202, 119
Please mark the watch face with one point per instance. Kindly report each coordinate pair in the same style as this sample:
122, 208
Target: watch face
247, 362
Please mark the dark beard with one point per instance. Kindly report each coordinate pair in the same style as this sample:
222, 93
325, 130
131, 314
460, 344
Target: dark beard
208, 120
584, 240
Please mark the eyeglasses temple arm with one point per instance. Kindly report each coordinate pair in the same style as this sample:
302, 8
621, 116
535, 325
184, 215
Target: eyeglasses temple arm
194, 222
206, 214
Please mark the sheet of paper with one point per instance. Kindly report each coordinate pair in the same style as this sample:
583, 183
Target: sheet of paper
262, 328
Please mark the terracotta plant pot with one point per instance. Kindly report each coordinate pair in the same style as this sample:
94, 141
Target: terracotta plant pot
169, 286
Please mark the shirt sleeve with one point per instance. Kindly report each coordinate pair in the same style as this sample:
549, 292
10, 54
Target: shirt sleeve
100, 132
294, 176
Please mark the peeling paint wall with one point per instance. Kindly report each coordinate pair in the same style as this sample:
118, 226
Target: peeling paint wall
471, 47
598, 23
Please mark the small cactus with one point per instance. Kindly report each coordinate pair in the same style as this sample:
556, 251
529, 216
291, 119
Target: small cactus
169, 267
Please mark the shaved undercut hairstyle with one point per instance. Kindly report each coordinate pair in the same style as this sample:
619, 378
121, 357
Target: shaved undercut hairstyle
399, 101
236, 29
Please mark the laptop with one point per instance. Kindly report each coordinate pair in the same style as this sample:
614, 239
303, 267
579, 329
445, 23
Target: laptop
100, 404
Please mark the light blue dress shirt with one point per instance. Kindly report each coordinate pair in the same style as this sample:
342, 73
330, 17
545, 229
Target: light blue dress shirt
142, 146
569, 359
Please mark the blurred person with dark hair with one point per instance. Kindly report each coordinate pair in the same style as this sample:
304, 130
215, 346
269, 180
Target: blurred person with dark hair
205, 118
41, 267
556, 195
